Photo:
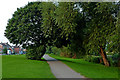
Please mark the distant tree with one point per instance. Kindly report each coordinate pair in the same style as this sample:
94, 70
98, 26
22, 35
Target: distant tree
4, 51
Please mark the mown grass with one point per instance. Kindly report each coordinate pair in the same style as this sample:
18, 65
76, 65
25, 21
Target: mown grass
0, 67
90, 70
17, 66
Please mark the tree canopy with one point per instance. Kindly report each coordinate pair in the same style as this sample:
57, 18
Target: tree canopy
24, 27
85, 28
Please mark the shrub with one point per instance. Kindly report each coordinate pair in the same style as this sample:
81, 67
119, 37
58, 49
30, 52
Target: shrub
98, 59
94, 59
5, 51
114, 59
56, 50
88, 58
30, 54
66, 52
34, 53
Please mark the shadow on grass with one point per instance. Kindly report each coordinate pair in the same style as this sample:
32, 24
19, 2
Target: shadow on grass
42, 60
73, 62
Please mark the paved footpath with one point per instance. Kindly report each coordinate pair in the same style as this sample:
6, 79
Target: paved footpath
61, 70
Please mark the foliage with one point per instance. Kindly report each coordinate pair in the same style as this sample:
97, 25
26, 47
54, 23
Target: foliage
56, 50
48, 17
114, 59
100, 24
49, 50
65, 51
114, 37
94, 59
65, 18
35, 52
72, 23
24, 28
77, 45
82, 31
48, 26
4, 51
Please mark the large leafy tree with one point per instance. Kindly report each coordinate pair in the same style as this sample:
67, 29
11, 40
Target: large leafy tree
100, 25
24, 28
38, 25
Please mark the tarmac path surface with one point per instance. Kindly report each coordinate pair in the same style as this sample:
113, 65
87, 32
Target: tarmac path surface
62, 71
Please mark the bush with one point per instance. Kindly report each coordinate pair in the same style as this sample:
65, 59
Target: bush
5, 51
88, 58
35, 53
30, 53
56, 50
98, 59
114, 60
94, 59
66, 52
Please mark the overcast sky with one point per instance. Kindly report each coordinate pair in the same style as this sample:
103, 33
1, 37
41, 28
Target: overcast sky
7, 8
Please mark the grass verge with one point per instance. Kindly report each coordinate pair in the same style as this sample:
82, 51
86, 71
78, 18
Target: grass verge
17, 66
90, 70
0, 67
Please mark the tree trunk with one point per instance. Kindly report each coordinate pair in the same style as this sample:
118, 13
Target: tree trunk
101, 60
104, 56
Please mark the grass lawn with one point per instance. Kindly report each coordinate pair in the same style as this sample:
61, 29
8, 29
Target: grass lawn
17, 66
0, 67
90, 70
